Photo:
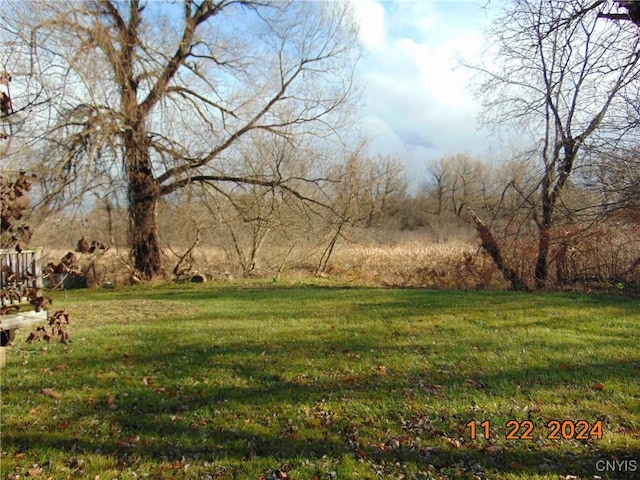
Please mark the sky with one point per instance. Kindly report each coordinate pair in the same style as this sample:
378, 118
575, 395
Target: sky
417, 98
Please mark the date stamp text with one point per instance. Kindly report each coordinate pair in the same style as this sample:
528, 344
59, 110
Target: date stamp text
527, 430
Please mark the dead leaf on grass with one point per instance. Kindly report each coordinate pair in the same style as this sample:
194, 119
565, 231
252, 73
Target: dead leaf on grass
63, 425
493, 449
75, 463
50, 392
35, 470
454, 442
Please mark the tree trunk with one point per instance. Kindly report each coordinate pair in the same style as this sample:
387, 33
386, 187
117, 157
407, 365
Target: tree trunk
144, 236
544, 222
549, 196
326, 255
491, 247
143, 202
542, 264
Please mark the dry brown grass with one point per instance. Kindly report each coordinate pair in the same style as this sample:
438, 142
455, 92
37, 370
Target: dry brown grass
417, 264
600, 259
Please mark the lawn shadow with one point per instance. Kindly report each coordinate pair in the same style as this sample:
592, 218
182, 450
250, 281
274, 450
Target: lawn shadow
204, 399
176, 416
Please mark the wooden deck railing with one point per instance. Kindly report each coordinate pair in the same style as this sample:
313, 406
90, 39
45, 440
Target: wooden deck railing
20, 272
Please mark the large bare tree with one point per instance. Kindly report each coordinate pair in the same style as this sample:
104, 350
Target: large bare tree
561, 75
155, 96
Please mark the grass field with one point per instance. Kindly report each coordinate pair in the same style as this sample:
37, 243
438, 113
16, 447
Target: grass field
267, 381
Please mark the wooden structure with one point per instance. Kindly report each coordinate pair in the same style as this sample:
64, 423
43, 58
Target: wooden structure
19, 273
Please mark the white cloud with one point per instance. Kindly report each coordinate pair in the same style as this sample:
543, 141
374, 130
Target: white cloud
418, 100
370, 15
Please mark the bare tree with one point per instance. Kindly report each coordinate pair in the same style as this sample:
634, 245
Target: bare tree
460, 182
561, 74
156, 96
362, 190
257, 224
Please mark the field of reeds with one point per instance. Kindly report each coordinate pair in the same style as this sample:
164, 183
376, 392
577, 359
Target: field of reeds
600, 261
412, 264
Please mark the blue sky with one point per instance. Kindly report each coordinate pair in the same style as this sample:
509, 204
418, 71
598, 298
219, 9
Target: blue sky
417, 98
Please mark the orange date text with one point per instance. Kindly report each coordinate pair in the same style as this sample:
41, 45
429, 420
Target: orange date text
526, 430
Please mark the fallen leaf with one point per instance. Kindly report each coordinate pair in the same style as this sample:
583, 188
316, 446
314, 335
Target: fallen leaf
51, 393
35, 470
76, 463
598, 386
454, 442
493, 449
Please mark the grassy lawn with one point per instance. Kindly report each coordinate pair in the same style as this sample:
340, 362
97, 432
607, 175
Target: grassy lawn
263, 381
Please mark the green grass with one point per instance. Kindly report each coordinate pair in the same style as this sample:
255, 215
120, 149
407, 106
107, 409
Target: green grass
300, 381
